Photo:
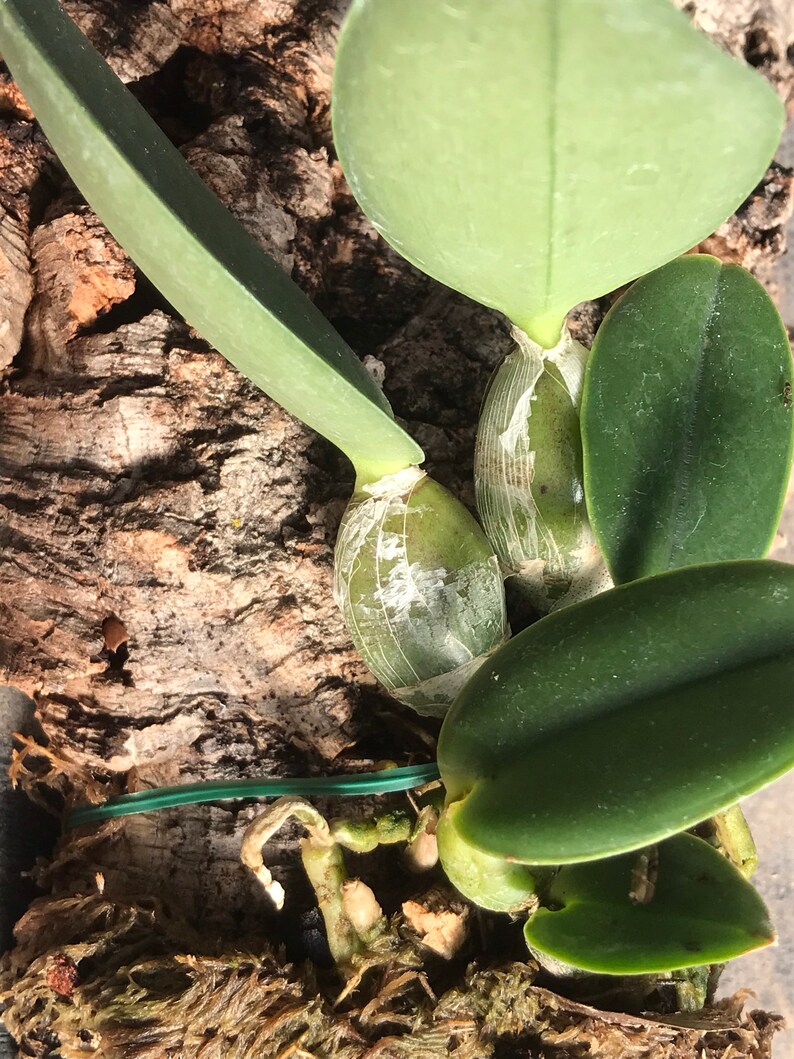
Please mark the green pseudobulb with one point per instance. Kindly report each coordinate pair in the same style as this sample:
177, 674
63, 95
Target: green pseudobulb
528, 474
419, 587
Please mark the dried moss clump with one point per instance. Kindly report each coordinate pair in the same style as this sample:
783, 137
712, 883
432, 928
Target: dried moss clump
124, 981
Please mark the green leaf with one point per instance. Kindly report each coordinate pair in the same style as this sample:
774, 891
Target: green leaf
686, 420
617, 722
189, 245
702, 911
535, 153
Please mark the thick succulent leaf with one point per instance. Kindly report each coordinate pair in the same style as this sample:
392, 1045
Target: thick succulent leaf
699, 910
687, 420
535, 153
622, 720
189, 245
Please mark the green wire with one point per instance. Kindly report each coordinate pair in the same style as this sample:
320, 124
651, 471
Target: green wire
383, 782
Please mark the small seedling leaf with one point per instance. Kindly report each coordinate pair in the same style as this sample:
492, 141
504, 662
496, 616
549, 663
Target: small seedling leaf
698, 909
189, 245
620, 721
535, 153
686, 427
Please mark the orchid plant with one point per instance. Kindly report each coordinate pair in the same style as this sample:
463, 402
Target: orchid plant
531, 154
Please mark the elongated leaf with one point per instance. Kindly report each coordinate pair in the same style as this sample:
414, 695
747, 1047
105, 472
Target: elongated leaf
686, 420
622, 720
189, 245
534, 153
700, 910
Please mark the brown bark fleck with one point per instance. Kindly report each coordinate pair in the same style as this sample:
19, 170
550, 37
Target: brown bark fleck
81, 273
62, 974
136, 45
759, 31
20, 160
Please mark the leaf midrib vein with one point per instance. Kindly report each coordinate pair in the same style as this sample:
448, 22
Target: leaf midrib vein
553, 15
683, 473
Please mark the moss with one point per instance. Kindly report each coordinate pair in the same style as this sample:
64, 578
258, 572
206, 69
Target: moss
145, 986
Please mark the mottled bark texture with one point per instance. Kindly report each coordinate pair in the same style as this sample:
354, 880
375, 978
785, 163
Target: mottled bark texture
165, 593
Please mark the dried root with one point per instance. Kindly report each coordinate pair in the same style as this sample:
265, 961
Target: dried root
354, 920
41, 772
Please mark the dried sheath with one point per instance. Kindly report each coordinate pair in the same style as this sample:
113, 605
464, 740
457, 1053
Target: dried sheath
528, 474
419, 587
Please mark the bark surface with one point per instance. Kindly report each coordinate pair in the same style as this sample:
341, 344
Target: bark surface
167, 537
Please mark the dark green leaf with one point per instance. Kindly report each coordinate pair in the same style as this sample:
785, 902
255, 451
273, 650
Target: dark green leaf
189, 245
700, 910
622, 720
687, 420
535, 153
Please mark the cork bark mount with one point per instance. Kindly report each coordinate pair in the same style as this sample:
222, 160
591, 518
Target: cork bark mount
165, 591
